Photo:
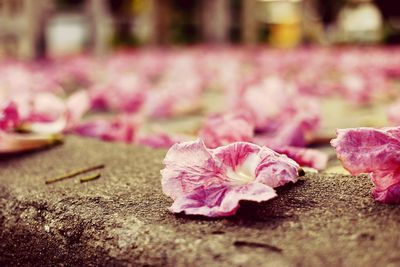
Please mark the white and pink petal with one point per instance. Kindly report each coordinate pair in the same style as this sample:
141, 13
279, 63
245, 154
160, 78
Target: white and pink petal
211, 182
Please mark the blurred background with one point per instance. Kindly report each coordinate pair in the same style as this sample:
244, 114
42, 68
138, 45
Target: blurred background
31, 29
284, 74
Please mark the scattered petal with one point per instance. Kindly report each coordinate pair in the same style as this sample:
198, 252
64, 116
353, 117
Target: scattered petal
211, 182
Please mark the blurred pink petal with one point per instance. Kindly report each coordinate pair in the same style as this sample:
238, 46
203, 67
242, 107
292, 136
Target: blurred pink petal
289, 133
305, 156
282, 115
121, 128
290, 147
175, 94
255, 97
75, 70
372, 151
219, 130
159, 140
46, 113
9, 117
211, 182
125, 93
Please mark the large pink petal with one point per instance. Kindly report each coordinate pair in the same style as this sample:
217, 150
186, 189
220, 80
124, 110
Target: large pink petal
363, 150
373, 151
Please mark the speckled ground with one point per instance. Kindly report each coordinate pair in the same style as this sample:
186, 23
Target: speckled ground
122, 219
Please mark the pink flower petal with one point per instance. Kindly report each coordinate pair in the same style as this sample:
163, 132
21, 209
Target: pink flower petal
219, 130
211, 182
373, 151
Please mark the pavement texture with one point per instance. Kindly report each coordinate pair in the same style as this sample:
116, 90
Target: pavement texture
121, 219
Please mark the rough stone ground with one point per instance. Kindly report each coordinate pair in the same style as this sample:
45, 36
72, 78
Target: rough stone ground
122, 219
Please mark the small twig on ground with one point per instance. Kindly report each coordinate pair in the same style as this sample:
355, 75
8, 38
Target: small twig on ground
90, 178
74, 173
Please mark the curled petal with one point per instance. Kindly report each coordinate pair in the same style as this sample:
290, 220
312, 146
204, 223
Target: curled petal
373, 151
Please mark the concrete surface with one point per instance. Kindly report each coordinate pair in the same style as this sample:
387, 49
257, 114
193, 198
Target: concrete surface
122, 219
